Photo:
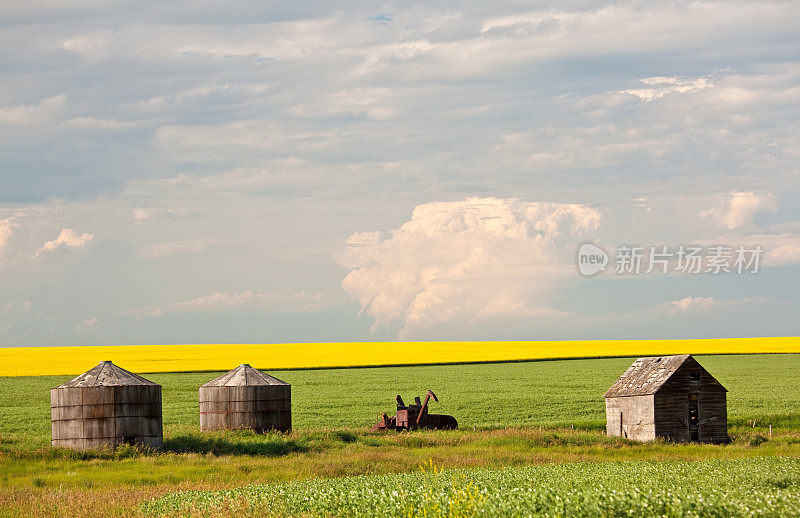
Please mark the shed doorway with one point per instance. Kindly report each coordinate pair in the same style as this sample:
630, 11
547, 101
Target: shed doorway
694, 418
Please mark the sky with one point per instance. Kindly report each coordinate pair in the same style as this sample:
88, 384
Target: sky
257, 172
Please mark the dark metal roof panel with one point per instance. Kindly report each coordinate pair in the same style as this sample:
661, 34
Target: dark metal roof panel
106, 374
244, 376
646, 375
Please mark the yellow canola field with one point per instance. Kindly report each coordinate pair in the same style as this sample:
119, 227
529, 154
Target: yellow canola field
31, 361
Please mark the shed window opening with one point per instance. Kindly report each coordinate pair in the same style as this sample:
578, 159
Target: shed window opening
695, 375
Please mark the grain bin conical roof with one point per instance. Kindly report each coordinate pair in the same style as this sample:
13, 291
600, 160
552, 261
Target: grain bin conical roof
106, 374
244, 376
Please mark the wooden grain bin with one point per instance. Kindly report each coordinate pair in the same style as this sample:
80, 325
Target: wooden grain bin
667, 396
246, 398
105, 407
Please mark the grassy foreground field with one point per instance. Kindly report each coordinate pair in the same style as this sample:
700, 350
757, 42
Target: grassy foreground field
540, 401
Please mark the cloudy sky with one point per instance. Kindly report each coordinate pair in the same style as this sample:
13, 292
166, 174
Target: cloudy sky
244, 172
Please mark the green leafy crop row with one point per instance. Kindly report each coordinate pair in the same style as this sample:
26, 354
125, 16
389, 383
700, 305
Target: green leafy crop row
751, 487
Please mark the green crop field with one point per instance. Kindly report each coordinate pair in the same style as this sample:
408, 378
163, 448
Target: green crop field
513, 414
546, 393
751, 487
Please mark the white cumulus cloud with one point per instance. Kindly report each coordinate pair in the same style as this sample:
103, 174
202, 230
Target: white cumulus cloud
31, 115
148, 214
785, 254
708, 304
6, 230
168, 249
745, 205
87, 324
466, 261
274, 302
657, 87
68, 238
737, 209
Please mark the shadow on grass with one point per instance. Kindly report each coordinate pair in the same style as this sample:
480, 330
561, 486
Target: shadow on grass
263, 445
124, 451
345, 436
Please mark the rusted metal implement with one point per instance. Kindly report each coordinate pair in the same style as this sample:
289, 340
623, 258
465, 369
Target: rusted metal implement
415, 416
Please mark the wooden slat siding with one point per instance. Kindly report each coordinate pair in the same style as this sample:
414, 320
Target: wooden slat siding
93, 417
672, 400
638, 420
715, 406
259, 407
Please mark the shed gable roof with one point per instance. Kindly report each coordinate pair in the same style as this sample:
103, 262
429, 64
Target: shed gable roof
243, 375
647, 375
106, 374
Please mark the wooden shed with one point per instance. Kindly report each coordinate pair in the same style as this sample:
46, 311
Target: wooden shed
246, 398
667, 396
104, 407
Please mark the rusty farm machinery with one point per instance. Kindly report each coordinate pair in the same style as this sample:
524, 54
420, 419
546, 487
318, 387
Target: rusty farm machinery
415, 416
